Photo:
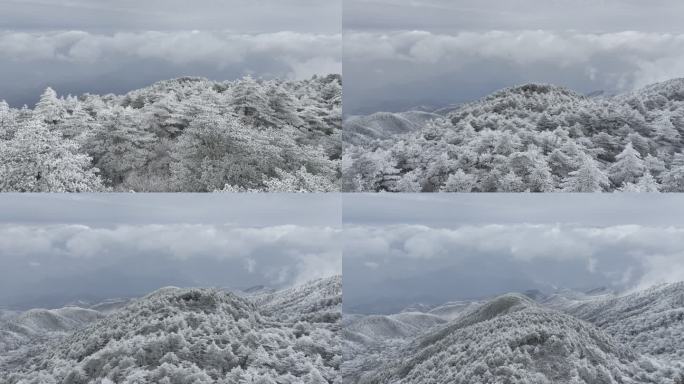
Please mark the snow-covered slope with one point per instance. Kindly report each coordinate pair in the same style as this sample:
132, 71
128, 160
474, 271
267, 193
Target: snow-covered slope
378, 328
453, 309
514, 339
316, 301
20, 328
110, 305
176, 335
383, 125
650, 321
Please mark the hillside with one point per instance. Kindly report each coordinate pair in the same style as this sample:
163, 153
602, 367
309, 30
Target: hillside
188, 134
649, 321
514, 339
20, 328
384, 125
191, 336
534, 137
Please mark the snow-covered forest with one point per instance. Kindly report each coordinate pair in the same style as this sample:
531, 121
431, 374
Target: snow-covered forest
567, 337
186, 134
181, 336
537, 138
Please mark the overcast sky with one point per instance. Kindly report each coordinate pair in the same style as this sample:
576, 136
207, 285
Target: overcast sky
400, 54
100, 46
55, 249
432, 248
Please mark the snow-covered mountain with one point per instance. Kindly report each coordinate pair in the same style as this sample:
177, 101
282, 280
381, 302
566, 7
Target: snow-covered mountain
532, 137
591, 338
176, 335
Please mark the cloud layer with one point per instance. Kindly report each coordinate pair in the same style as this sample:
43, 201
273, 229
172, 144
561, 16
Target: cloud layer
41, 259
418, 261
473, 63
319, 53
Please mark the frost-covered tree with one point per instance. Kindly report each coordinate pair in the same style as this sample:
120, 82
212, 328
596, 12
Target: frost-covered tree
673, 179
247, 99
299, 181
36, 159
119, 145
540, 178
138, 140
459, 181
217, 150
646, 183
7, 122
628, 167
409, 183
511, 183
665, 131
654, 165
587, 178
50, 108
192, 336
521, 129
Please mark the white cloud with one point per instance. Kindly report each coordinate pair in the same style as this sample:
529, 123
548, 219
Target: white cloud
294, 253
305, 53
616, 252
631, 57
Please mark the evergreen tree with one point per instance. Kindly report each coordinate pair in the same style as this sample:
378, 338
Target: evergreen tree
50, 108
38, 160
646, 183
459, 181
511, 183
119, 146
654, 165
628, 168
248, 100
665, 131
673, 179
587, 178
540, 178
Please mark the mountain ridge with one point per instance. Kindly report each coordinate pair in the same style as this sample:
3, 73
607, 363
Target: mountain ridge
512, 338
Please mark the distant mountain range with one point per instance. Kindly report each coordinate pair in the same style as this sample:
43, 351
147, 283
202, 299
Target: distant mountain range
567, 337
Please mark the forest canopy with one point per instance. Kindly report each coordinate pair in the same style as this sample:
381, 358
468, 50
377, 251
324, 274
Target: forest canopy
535, 137
187, 134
